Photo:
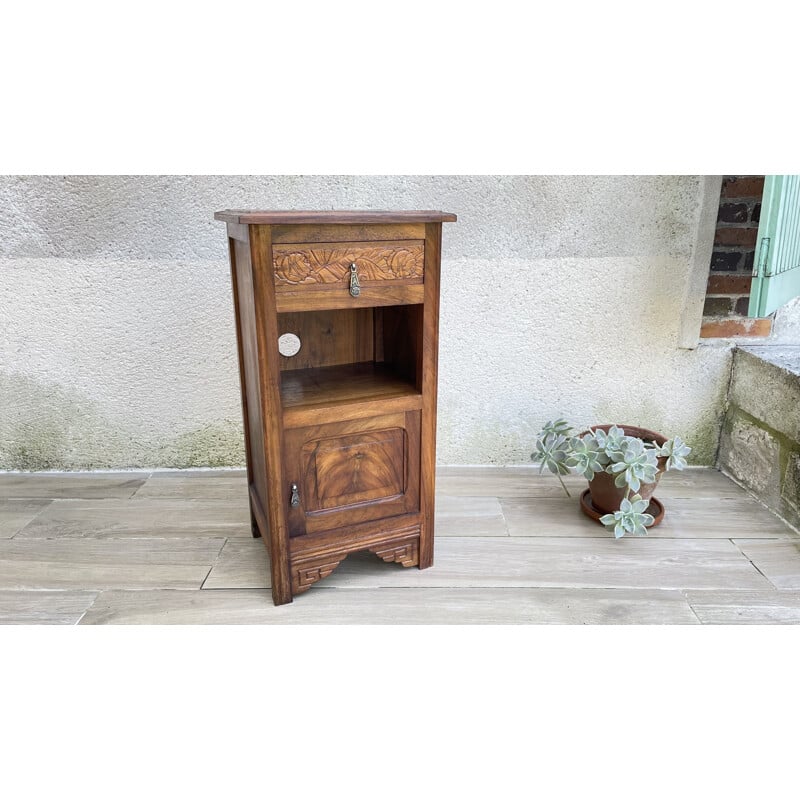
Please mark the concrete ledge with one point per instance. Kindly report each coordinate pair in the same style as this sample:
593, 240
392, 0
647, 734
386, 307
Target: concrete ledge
765, 383
760, 441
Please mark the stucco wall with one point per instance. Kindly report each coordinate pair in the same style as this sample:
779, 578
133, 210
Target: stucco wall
560, 296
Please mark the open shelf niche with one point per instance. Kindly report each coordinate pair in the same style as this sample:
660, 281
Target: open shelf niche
351, 356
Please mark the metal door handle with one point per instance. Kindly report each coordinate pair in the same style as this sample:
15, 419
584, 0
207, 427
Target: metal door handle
355, 286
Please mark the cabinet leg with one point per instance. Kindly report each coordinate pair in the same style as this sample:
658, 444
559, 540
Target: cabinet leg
254, 526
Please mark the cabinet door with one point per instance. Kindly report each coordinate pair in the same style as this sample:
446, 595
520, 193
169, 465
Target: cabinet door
352, 472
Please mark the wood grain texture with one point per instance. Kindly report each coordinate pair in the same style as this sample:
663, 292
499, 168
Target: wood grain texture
253, 217
306, 572
429, 383
567, 563
52, 485
247, 337
684, 519
533, 562
344, 392
329, 263
356, 468
43, 608
768, 607
317, 464
155, 518
240, 233
277, 537
241, 565
325, 606
16, 514
385, 293
228, 486
341, 435
299, 234
99, 564
779, 561
329, 338
403, 551
469, 516
564, 578
525, 481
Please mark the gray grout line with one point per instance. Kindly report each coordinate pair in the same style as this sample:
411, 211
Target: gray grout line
42, 509
691, 607
216, 561
141, 486
86, 610
752, 563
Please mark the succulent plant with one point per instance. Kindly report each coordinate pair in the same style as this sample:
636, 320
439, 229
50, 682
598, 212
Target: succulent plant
585, 455
634, 465
634, 461
675, 450
552, 450
631, 518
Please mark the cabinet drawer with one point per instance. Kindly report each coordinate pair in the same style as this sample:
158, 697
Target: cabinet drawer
348, 274
353, 472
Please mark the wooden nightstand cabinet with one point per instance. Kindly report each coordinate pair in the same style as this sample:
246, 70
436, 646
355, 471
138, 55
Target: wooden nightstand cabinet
341, 435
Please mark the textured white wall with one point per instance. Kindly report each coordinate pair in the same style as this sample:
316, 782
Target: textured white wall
560, 295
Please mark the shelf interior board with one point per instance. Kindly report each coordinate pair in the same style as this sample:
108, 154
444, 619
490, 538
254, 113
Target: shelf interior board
343, 383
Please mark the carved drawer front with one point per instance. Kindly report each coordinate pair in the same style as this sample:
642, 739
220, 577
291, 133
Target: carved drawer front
342, 274
352, 472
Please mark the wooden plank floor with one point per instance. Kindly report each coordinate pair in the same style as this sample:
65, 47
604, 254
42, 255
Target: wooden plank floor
175, 547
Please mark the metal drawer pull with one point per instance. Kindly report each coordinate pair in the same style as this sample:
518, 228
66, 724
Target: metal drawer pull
355, 286
295, 499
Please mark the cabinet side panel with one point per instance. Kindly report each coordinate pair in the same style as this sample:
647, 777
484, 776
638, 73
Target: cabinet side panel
430, 377
256, 469
266, 328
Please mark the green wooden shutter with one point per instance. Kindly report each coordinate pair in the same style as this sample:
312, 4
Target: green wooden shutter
776, 270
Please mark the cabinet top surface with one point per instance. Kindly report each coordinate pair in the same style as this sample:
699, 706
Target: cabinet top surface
250, 217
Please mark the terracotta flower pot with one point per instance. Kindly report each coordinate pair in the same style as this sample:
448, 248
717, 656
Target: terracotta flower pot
605, 495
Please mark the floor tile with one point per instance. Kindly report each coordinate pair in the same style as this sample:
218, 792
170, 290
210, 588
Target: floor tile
526, 481
746, 607
43, 608
532, 562
501, 482
779, 560
510, 548
86, 485
394, 606
106, 563
146, 517
469, 516
712, 518
16, 514
196, 486
242, 564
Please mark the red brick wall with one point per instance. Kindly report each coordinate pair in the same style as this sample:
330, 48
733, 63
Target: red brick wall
728, 290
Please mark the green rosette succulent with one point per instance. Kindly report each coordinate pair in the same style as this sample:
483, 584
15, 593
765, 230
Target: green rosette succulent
675, 451
632, 460
635, 465
632, 517
585, 455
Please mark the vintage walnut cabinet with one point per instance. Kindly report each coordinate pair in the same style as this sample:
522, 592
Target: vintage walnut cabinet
340, 433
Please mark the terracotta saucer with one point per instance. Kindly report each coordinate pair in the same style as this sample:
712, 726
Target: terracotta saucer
656, 508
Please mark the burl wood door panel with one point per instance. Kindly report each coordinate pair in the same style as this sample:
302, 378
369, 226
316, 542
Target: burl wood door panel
352, 472
346, 470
